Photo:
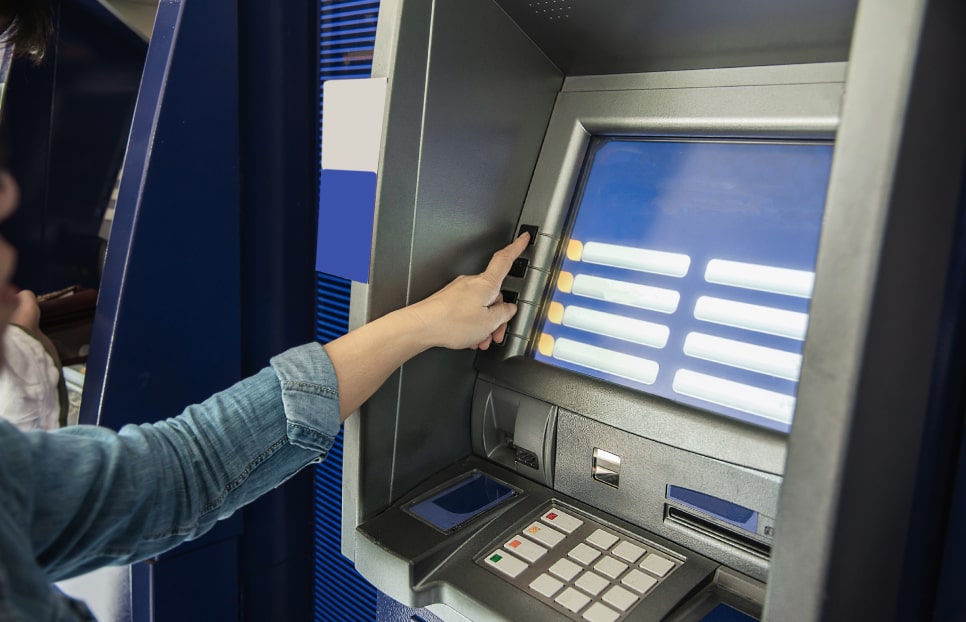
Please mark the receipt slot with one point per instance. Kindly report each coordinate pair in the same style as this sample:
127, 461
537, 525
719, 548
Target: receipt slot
514, 431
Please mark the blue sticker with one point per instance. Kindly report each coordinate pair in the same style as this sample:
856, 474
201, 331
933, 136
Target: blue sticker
347, 201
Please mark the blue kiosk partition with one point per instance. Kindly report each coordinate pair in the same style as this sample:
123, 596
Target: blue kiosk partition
66, 122
208, 273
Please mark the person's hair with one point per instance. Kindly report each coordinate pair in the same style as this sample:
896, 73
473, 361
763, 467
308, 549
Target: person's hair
26, 25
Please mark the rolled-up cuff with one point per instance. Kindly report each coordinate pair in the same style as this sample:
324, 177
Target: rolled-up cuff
310, 396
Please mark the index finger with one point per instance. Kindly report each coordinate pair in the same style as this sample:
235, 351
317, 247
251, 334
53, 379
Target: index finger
503, 259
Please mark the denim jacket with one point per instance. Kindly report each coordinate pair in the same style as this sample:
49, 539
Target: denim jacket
82, 497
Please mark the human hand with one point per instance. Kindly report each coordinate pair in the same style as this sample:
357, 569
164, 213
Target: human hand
27, 316
470, 312
9, 197
27, 313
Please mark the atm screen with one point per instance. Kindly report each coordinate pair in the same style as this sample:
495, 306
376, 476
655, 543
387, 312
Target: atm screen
687, 271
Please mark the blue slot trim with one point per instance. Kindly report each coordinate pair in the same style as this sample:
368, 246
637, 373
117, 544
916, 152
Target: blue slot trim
347, 34
726, 511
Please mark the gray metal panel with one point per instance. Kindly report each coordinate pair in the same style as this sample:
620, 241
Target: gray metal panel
647, 468
585, 37
868, 363
487, 103
468, 104
369, 441
816, 73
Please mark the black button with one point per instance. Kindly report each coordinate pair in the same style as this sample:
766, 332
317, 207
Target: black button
509, 296
531, 229
519, 267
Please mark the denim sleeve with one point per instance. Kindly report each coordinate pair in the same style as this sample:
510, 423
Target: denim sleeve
88, 496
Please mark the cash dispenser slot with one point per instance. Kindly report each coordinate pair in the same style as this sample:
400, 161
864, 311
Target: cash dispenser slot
738, 526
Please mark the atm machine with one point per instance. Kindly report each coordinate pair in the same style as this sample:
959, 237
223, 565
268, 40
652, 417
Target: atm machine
741, 219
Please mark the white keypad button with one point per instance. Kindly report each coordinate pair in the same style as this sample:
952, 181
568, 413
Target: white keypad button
628, 551
546, 585
600, 613
544, 535
565, 569
638, 581
610, 567
620, 598
657, 565
602, 540
572, 599
592, 583
564, 522
525, 549
584, 554
506, 563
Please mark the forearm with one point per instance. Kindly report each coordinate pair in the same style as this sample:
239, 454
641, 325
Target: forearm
467, 313
95, 496
365, 357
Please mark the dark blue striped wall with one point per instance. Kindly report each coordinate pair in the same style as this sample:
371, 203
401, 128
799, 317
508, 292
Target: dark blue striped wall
347, 33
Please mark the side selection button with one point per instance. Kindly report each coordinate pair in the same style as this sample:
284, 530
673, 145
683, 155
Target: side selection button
532, 230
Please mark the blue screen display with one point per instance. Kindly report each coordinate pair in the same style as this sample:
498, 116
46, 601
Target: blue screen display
461, 502
688, 272
724, 613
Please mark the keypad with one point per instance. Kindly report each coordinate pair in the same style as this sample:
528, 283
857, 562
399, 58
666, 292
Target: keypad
584, 570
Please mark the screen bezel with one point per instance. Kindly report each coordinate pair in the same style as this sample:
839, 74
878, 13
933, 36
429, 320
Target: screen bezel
753, 104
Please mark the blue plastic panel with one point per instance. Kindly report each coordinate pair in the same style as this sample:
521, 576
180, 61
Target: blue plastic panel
713, 506
347, 34
688, 272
